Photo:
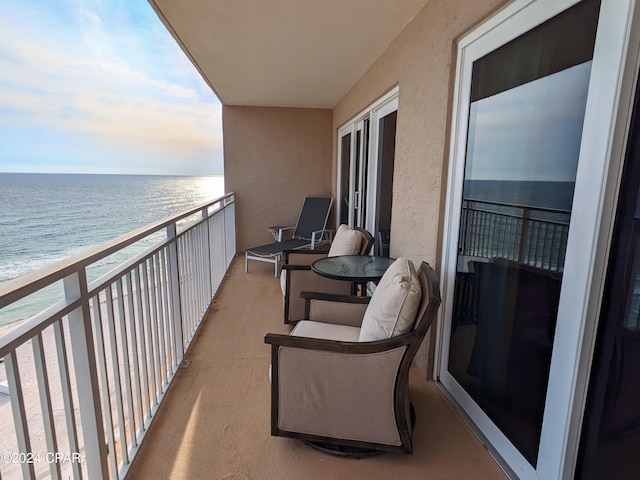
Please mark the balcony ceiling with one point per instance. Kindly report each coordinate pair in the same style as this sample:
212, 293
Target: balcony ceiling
285, 53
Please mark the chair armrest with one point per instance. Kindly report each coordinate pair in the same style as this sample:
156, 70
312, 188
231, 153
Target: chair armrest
317, 237
337, 309
291, 266
299, 278
302, 257
323, 345
277, 231
330, 297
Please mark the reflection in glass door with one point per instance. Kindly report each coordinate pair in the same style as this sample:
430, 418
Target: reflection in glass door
527, 105
360, 177
384, 201
354, 165
344, 153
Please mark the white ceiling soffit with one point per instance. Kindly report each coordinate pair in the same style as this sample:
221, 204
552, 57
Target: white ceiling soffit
286, 53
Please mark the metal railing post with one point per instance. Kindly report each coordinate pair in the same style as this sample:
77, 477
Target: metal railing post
225, 254
210, 276
174, 289
84, 361
525, 226
229, 231
19, 412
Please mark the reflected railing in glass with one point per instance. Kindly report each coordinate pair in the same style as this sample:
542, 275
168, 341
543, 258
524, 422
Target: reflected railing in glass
534, 236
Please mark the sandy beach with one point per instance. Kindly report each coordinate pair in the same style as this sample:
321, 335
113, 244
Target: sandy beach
8, 443
25, 355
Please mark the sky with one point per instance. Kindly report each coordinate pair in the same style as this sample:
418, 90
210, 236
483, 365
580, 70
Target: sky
100, 86
530, 132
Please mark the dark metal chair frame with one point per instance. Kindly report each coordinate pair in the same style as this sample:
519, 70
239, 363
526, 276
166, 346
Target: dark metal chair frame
332, 285
410, 341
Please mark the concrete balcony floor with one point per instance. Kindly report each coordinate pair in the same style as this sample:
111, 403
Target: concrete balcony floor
214, 422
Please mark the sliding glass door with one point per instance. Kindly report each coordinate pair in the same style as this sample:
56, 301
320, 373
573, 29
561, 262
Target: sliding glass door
528, 100
532, 139
366, 155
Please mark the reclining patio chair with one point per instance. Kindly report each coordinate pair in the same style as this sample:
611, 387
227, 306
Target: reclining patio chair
309, 232
340, 380
297, 276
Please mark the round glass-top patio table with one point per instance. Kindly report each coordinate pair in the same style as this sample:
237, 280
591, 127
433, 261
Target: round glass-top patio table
357, 269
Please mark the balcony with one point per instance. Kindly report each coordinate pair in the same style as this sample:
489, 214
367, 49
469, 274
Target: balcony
215, 419
137, 402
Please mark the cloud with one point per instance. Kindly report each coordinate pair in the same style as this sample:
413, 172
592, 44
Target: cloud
531, 132
100, 74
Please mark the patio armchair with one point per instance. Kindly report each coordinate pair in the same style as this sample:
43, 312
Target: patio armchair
309, 232
297, 276
340, 380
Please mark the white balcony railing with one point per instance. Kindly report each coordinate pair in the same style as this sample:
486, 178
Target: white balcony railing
86, 375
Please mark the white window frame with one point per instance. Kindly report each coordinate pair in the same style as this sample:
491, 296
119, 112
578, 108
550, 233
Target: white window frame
609, 103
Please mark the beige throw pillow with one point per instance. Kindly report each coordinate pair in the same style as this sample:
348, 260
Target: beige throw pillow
347, 241
394, 305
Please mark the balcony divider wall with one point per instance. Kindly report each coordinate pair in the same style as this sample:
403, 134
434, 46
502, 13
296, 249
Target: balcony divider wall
273, 159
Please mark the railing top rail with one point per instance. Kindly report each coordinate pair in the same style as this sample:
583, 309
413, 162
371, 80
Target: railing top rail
517, 205
32, 326
521, 216
20, 287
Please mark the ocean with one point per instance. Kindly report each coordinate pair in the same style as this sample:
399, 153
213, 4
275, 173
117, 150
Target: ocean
45, 218
553, 195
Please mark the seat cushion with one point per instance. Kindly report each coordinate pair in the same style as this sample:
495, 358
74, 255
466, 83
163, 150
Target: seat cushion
327, 331
283, 281
394, 305
347, 241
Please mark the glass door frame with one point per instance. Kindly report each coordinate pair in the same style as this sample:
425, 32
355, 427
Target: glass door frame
609, 103
366, 206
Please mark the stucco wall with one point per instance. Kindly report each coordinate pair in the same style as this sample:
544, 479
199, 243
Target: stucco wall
273, 158
420, 61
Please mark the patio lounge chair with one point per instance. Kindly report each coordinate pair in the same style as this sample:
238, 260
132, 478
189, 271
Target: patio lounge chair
340, 380
309, 232
297, 276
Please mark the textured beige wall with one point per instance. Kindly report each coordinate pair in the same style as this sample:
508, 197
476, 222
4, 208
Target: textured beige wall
273, 158
421, 60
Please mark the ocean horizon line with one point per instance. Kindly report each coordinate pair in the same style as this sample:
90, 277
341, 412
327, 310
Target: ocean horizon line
118, 174
47, 218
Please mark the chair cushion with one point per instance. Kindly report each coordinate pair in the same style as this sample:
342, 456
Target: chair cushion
347, 241
394, 305
283, 281
327, 331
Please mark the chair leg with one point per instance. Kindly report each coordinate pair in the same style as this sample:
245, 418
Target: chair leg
275, 260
